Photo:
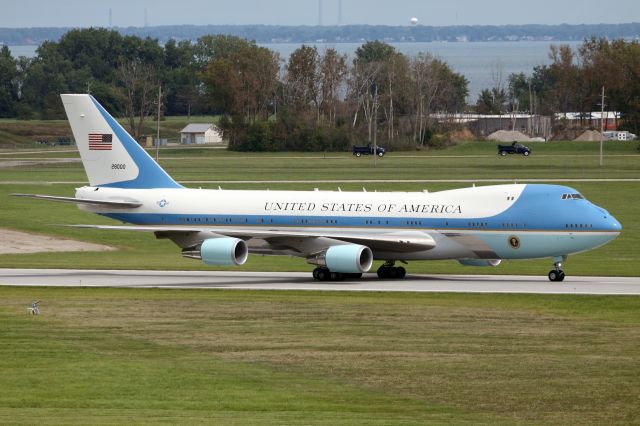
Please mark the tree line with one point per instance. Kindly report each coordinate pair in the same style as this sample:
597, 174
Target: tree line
314, 100
573, 82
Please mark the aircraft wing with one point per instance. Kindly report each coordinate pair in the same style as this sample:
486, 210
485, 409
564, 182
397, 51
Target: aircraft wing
116, 204
394, 241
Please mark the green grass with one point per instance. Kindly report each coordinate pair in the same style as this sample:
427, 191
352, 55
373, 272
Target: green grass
98, 356
473, 160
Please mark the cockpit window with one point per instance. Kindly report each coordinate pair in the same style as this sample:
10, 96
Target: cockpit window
572, 197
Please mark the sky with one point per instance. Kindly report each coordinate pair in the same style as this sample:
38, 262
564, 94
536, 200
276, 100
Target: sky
85, 13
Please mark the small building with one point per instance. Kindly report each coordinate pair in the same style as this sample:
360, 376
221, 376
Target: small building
610, 119
200, 133
619, 136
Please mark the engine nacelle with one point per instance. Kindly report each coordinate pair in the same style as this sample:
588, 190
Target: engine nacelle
347, 258
480, 262
219, 251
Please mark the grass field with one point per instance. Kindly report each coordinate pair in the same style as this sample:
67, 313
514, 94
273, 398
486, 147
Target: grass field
105, 356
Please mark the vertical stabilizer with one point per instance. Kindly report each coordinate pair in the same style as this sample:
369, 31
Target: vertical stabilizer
110, 156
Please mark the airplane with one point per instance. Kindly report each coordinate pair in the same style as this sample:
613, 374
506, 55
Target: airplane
339, 232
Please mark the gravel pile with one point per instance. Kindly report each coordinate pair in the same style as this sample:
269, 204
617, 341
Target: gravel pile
589, 135
508, 136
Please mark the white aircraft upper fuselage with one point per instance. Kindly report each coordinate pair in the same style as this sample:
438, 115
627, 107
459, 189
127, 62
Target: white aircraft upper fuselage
340, 231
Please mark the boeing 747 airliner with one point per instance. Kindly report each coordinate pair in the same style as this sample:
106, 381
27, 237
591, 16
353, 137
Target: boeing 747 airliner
342, 233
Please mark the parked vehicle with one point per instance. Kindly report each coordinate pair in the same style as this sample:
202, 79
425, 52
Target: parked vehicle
514, 148
368, 150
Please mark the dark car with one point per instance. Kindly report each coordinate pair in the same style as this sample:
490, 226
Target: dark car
368, 150
514, 148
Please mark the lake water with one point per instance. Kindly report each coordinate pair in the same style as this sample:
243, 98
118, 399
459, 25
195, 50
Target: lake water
478, 61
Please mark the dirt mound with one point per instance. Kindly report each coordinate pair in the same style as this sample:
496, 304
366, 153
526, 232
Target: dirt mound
508, 136
589, 135
22, 242
461, 135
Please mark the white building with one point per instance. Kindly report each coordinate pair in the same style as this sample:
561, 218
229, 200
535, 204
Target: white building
199, 133
619, 136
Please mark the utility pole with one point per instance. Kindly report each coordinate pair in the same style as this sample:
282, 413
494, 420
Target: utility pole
158, 124
375, 125
601, 124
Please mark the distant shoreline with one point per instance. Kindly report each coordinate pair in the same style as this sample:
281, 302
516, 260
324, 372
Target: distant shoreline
276, 34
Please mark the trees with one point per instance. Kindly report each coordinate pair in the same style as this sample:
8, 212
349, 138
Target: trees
180, 79
8, 83
302, 81
241, 80
140, 84
333, 71
574, 80
435, 88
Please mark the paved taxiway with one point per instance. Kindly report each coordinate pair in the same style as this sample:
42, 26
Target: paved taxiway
303, 281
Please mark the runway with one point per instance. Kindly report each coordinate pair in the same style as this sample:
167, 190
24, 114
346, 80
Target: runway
303, 281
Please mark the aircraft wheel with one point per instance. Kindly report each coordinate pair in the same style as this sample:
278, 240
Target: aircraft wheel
336, 276
322, 274
401, 273
388, 272
556, 275
383, 272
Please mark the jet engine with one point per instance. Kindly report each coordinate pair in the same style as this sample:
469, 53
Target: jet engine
219, 251
347, 258
480, 262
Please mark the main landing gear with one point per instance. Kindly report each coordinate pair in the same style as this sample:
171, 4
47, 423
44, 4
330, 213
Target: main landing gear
324, 274
557, 274
388, 271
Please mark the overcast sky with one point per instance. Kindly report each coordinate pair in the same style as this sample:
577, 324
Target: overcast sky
85, 13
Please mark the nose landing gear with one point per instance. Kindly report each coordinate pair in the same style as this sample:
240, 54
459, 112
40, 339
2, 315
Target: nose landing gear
557, 274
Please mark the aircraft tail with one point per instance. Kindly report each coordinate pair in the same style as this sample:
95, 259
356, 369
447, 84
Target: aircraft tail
110, 156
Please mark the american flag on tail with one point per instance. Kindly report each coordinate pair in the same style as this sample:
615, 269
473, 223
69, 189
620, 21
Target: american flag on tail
100, 141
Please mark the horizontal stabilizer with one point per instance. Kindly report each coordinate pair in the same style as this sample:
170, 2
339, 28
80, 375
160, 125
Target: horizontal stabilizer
104, 203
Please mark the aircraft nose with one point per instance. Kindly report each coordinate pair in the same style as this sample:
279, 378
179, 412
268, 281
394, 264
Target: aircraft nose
607, 221
613, 224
